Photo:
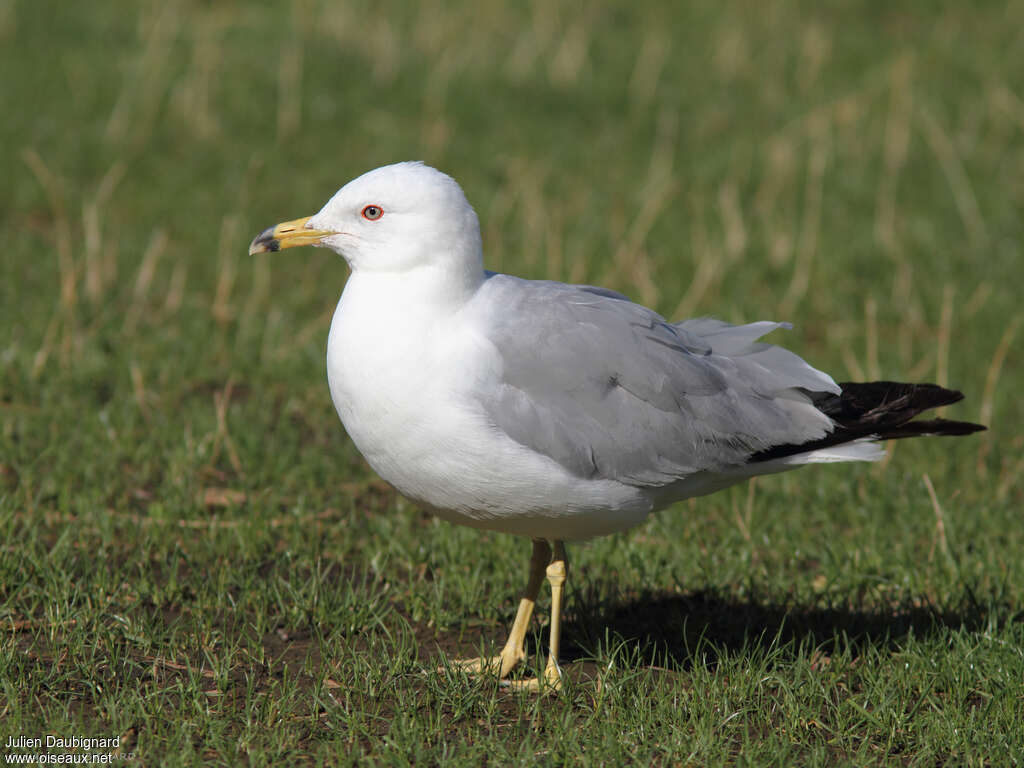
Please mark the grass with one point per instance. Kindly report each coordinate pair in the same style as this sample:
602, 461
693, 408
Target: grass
196, 560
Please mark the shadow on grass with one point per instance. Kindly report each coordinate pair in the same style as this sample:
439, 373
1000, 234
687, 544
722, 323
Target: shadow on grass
679, 628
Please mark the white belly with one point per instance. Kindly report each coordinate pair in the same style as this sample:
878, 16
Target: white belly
407, 391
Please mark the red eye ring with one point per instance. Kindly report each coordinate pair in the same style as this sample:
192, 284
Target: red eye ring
372, 212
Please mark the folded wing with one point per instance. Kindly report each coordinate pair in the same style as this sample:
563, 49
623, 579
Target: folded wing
610, 389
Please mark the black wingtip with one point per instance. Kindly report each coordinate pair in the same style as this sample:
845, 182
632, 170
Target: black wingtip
885, 400
934, 427
879, 410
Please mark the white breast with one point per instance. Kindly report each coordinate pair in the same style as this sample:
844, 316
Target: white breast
405, 378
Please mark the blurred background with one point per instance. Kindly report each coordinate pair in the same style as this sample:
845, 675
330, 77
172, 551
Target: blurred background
854, 168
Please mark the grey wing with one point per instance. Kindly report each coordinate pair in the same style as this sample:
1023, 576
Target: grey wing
608, 388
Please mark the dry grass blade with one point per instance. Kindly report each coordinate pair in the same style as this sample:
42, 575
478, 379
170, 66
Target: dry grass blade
956, 176
897, 140
995, 368
144, 280
132, 117
807, 246
53, 186
940, 517
100, 266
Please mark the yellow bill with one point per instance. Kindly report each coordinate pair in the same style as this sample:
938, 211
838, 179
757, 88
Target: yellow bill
288, 234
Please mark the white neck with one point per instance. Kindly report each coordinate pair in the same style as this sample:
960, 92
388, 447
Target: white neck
429, 288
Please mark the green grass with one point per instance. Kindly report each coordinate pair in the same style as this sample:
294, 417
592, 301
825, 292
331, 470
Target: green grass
193, 556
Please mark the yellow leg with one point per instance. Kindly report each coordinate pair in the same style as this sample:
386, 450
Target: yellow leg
557, 573
514, 650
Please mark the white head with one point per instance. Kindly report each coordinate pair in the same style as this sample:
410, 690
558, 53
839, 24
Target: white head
394, 219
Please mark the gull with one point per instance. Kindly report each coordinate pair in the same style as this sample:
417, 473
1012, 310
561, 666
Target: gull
554, 411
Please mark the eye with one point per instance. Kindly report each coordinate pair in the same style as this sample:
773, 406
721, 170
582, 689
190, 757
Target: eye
372, 212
